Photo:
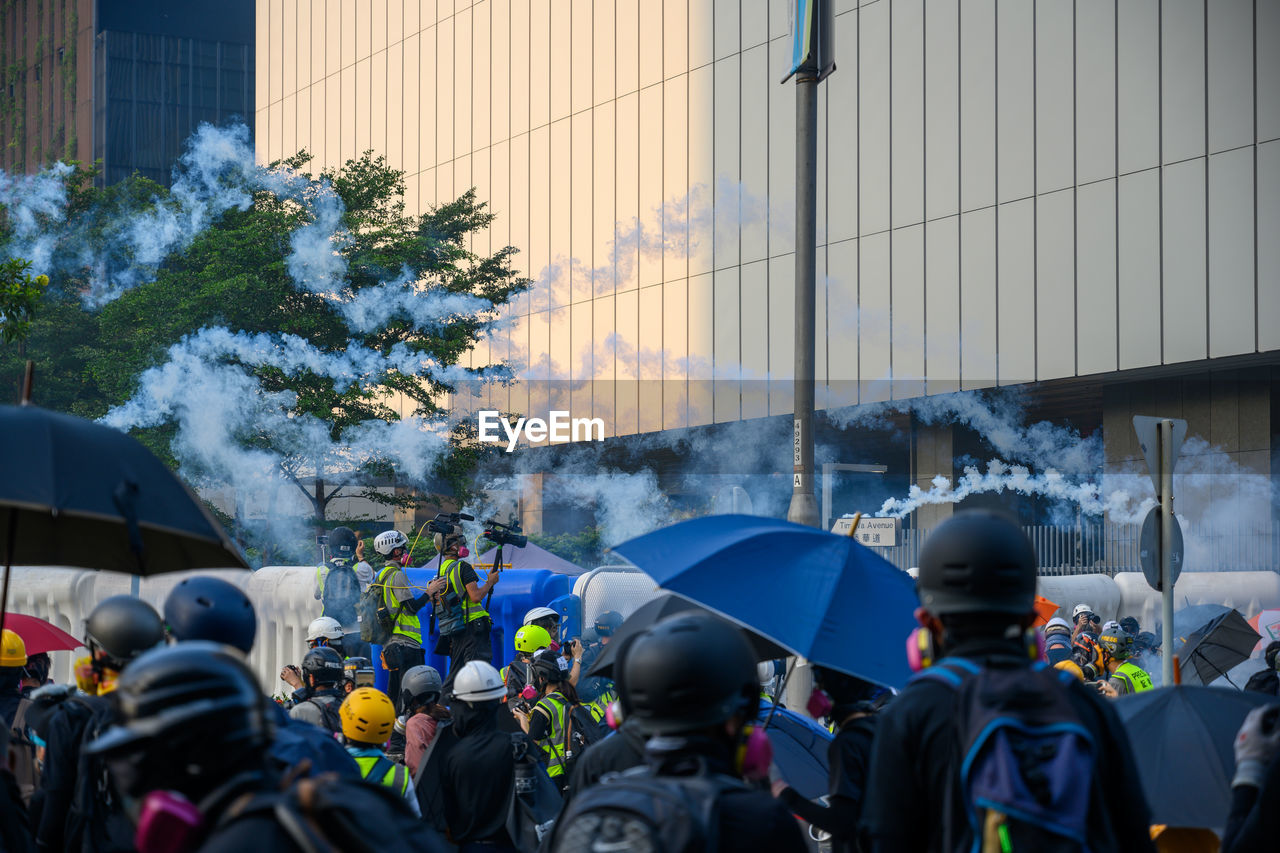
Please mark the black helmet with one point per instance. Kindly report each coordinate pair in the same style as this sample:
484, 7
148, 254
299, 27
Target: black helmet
342, 543
546, 667
324, 664
607, 623
845, 691
977, 561
1130, 626
420, 685
1145, 641
205, 608
121, 628
689, 671
196, 700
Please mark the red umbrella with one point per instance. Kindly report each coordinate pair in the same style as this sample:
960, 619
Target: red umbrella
39, 635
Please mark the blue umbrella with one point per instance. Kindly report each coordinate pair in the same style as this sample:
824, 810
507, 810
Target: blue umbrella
800, 750
819, 595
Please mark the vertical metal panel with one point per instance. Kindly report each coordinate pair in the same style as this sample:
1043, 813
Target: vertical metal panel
874, 320
978, 315
726, 14
1231, 62
581, 37
702, 174
702, 33
482, 108
675, 37
907, 318
755, 153
604, 369
977, 104
942, 305
539, 35
782, 334
648, 345
726, 358
702, 319
604, 26
1231, 270
539, 245
560, 47
1268, 190
582, 216
519, 210
873, 119
1055, 286
1138, 280
675, 354
1184, 292
627, 183
651, 199
651, 41
782, 154
675, 178
754, 308
1055, 95
1182, 80
728, 115
446, 93
627, 399
1096, 332
627, 36
1267, 67
1015, 99
520, 68
942, 111
754, 23
842, 322
1138, 84
1015, 294
842, 138
604, 216
907, 111
558, 207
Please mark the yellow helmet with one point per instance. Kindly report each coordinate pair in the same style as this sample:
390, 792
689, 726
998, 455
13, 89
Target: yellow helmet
13, 652
367, 716
530, 638
1071, 667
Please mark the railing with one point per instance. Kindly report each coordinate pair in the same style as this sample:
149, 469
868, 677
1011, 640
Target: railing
1110, 547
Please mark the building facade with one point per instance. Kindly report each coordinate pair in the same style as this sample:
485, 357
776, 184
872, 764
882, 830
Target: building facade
1077, 197
124, 82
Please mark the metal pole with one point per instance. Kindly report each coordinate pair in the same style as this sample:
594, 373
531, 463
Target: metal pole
1166, 549
804, 506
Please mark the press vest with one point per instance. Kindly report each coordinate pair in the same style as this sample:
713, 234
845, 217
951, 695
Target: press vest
1134, 676
407, 624
394, 776
555, 744
471, 610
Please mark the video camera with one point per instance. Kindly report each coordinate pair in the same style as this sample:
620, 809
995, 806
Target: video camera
445, 522
505, 534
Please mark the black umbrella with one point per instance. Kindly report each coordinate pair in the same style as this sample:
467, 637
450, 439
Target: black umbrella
1214, 648
75, 493
660, 608
1182, 738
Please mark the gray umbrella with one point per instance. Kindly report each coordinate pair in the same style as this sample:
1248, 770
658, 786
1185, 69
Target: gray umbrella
1215, 647
75, 493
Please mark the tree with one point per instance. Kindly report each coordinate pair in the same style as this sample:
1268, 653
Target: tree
408, 290
19, 295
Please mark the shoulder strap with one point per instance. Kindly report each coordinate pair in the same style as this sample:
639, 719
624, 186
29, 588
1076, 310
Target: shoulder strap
20, 716
379, 769
951, 671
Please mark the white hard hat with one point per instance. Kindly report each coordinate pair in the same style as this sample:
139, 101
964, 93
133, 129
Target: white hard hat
765, 671
539, 613
1080, 608
325, 626
388, 541
914, 572
478, 681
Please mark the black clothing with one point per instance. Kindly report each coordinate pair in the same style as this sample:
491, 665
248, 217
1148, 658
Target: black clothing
341, 592
617, 752
472, 642
464, 787
849, 759
1265, 681
15, 830
354, 647
9, 707
1254, 823
915, 762
66, 725
399, 658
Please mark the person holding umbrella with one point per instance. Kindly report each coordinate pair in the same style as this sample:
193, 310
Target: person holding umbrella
978, 661
1254, 823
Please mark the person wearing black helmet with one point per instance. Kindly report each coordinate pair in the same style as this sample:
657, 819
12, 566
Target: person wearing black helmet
81, 809
852, 705
691, 685
616, 753
598, 693
420, 693
208, 608
982, 699
338, 587
322, 694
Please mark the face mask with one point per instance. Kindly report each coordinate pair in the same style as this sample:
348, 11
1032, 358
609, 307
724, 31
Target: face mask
404, 559
755, 755
168, 823
819, 704
464, 551
529, 693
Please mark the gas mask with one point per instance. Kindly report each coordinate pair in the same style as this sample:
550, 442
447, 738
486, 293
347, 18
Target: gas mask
168, 823
754, 755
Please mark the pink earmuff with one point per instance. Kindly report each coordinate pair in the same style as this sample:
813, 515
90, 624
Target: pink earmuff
464, 551
168, 823
920, 649
819, 704
613, 715
529, 692
756, 755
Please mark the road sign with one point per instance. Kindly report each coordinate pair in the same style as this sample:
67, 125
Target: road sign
872, 532
1149, 549
1148, 439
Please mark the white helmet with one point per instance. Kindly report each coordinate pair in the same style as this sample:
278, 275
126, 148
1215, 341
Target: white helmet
388, 541
478, 681
539, 613
325, 626
1080, 608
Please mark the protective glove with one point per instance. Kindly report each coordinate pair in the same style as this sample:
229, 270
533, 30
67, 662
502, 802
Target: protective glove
1256, 744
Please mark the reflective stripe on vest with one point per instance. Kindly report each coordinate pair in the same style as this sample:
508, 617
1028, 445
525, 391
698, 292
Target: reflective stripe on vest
554, 744
394, 776
1135, 676
407, 624
471, 610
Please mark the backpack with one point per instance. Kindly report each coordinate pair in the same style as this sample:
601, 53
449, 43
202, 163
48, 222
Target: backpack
377, 621
341, 592
96, 820
329, 716
327, 813
449, 613
584, 729
638, 810
22, 753
1026, 758
536, 800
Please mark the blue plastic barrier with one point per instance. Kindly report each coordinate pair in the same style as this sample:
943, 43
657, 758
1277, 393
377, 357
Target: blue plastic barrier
519, 591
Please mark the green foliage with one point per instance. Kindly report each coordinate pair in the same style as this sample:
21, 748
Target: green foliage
585, 548
19, 295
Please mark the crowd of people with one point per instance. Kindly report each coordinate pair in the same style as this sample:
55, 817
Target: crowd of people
1005, 740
